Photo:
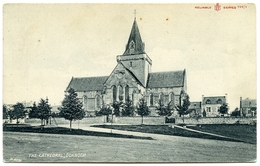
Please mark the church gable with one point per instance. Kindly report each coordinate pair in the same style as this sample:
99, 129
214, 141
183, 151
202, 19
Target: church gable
121, 76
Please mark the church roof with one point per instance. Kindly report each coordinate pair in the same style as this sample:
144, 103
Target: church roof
134, 44
87, 83
166, 79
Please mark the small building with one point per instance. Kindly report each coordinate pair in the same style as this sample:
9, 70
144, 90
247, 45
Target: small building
196, 108
248, 107
211, 104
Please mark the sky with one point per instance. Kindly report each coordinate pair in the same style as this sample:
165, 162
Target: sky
45, 45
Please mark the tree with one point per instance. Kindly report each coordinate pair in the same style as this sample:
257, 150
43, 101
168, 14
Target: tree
223, 109
117, 106
164, 110
55, 114
128, 108
204, 113
5, 112
105, 110
18, 112
72, 108
43, 111
34, 111
236, 112
142, 108
184, 108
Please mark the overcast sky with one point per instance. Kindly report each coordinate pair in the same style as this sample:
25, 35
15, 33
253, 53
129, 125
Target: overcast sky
46, 45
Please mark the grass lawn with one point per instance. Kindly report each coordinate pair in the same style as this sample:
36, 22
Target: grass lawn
63, 130
240, 131
234, 131
35, 147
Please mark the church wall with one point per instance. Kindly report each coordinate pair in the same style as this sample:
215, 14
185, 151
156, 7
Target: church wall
90, 101
134, 95
166, 92
120, 77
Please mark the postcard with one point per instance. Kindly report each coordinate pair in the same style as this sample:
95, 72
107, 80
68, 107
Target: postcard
129, 83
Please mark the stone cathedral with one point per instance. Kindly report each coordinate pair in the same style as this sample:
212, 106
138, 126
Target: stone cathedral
131, 77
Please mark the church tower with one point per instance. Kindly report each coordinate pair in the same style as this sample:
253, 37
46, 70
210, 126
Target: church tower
134, 58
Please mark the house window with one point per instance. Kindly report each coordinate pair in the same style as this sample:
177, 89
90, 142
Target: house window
208, 102
131, 64
219, 101
208, 109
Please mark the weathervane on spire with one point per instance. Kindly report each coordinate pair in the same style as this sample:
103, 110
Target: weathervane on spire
135, 13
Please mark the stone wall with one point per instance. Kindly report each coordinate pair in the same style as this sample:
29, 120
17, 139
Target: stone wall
138, 120
149, 120
214, 120
87, 120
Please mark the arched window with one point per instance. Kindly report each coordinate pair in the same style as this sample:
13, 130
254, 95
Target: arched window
161, 97
120, 90
151, 99
98, 102
114, 92
133, 97
219, 101
85, 101
126, 92
208, 101
132, 45
172, 99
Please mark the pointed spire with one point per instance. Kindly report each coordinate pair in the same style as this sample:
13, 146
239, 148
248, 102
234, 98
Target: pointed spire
134, 45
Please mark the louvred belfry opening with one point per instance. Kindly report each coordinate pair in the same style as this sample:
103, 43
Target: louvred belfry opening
134, 45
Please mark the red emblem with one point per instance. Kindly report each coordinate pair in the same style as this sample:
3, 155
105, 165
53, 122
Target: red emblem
217, 7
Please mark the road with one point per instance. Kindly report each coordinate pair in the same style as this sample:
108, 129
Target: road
32, 147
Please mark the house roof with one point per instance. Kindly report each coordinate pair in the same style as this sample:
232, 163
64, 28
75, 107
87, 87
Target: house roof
248, 103
138, 45
214, 99
195, 104
166, 79
87, 83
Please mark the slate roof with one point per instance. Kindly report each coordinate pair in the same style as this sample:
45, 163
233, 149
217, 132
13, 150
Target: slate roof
136, 37
195, 104
166, 79
248, 103
87, 83
214, 99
